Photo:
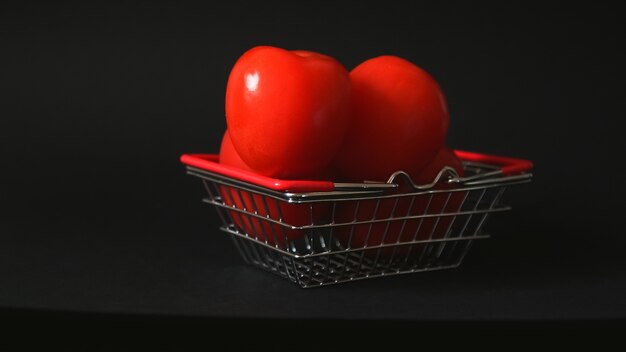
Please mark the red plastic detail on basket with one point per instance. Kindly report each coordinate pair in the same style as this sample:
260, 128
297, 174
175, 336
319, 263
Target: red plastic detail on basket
210, 162
508, 166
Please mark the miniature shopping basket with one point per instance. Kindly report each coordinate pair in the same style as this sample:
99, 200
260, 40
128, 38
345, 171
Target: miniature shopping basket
317, 233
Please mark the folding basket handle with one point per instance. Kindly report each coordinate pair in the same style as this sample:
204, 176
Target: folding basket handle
508, 166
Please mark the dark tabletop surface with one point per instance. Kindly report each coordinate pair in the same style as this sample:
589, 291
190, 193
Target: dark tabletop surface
98, 103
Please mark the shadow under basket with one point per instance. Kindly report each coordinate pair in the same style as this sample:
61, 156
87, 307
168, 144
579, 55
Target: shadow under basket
316, 233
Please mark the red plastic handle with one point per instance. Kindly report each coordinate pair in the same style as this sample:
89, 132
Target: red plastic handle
508, 166
210, 162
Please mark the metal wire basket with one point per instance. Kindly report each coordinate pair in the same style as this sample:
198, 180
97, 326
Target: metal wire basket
318, 233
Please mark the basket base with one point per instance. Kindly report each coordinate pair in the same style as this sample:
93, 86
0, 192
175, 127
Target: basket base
345, 266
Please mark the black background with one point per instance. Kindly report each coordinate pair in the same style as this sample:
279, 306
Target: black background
99, 101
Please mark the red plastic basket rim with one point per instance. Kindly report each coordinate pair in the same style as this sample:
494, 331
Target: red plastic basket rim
210, 162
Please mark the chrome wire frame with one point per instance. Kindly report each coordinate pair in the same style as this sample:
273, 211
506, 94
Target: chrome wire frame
318, 256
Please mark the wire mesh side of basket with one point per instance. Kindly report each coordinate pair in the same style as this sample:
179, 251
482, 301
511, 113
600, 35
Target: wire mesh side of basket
344, 236
338, 267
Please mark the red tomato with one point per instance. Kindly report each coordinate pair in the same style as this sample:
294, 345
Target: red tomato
445, 157
229, 156
431, 227
264, 230
287, 111
400, 230
400, 120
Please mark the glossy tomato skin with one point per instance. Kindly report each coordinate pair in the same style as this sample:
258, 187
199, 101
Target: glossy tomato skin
229, 156
287, 111
403, 230
400, 120
264, 230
